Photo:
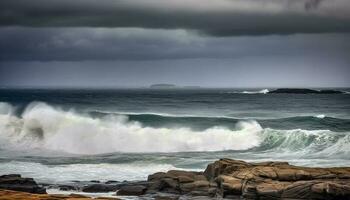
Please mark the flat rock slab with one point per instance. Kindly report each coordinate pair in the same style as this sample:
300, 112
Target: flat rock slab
11, 195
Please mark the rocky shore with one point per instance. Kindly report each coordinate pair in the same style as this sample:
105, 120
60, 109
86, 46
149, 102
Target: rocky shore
304, 91
223, 179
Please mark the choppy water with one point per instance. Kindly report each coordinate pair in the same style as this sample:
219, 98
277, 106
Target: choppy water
67, 135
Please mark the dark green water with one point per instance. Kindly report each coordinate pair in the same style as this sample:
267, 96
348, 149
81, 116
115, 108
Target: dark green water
127, 134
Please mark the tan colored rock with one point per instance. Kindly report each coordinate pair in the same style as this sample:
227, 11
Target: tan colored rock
172, 183
223, 166
271, 189
197, 186
265, 172
264, 181
177, 173
278, 180
158, 176
200, 177
185, 179
331, 188
16, 195
229, 185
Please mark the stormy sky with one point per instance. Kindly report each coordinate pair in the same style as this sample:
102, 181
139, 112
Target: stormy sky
210, 43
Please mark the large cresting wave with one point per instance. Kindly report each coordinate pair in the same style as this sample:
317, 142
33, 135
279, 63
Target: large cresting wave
44, 127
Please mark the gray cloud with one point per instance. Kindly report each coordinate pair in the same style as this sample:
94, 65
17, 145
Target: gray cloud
75, 44
312, 4
218, 18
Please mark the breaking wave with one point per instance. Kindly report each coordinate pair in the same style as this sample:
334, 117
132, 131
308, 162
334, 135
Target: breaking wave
311, 122
44, 127
264, 91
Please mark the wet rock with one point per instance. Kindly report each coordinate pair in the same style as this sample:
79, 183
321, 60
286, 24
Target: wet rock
229, 185
185, 179
17, 183
233, 179
96, 188
136, 190
278, 180
165, 196
17, 195
67, 187
111, 182
182, 182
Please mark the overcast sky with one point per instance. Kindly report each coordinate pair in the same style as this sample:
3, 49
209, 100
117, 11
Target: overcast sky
210, 43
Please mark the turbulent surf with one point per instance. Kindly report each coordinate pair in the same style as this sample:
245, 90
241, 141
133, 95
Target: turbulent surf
43, 132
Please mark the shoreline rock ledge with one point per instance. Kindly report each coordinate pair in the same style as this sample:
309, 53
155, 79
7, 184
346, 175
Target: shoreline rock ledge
236, 179
229, 179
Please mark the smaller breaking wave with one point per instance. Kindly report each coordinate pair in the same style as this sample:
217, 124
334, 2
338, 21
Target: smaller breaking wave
305, 144
264, 91
321, 116
310, 122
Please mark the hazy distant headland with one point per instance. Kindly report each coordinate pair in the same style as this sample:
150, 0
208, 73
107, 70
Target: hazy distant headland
171, 86
163, 86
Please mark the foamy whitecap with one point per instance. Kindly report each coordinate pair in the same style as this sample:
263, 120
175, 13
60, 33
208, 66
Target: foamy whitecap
264, 91
71, 172
45, 127
320, 116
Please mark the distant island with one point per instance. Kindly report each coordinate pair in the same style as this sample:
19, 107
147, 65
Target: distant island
304, 91
172, 86
163, 86
191, 87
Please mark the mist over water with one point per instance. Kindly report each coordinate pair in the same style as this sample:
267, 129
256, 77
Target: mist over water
120, 132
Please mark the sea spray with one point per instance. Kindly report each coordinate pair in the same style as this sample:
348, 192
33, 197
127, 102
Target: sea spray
43, 126
47, 128
264, 91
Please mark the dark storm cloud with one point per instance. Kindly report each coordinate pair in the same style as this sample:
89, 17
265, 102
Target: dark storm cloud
219, 17
75, 44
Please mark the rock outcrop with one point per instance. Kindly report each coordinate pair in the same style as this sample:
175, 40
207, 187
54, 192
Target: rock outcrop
234, 179
97, 188
278, 180
228, 179
304, 91
11, 195
18, 183
181, 182
132, 190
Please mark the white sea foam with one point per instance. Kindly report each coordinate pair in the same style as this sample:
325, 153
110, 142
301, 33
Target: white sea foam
5, 108
264, 91
72, 172
44, 127
321, 116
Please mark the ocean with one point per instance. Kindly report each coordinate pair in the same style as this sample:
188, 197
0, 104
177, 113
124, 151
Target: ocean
61, 135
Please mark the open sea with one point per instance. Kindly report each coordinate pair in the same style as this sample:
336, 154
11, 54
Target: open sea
60, 136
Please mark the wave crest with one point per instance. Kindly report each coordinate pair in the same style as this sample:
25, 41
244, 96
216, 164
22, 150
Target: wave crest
43, 126
264, 91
